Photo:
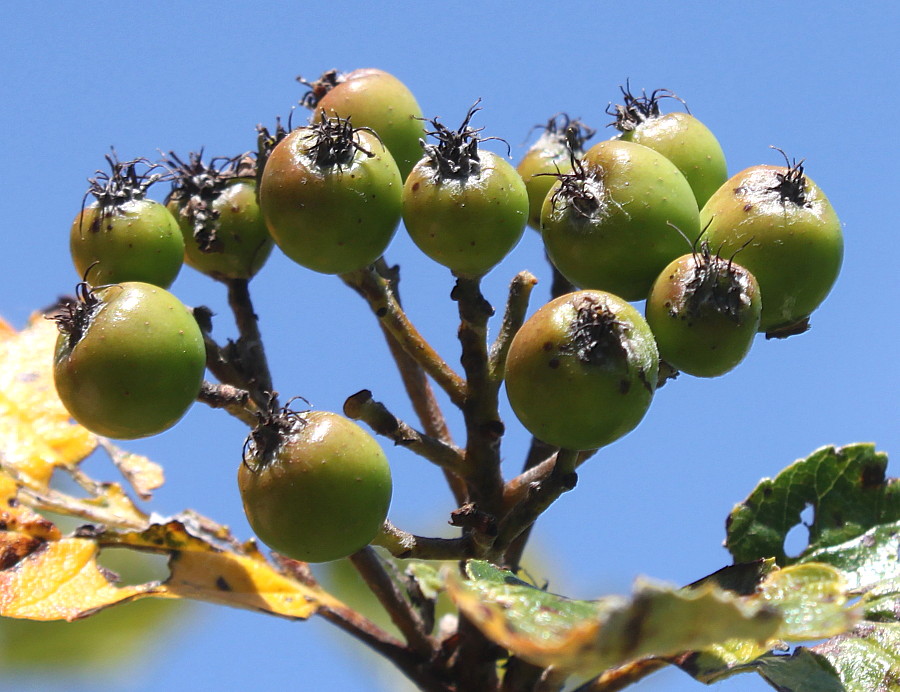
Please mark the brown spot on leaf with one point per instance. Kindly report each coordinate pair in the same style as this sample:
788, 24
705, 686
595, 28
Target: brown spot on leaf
872, 475
14, 547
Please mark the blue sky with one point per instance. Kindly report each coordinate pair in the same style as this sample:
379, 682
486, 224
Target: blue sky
818, 79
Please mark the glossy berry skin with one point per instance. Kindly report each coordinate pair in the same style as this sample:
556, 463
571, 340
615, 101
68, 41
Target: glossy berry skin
376, 99
319, 491
243, 243
790, 234
610, 228
135, 366
581, 372
690, 145
467, 223
704, 312
137, 240
331, 217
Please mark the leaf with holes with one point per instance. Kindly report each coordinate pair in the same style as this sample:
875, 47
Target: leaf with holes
855, 537
847, 488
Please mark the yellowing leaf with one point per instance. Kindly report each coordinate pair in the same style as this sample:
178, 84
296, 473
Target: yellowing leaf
812, 599
60, 581
206, 564
36, 434
141, 473
590, 636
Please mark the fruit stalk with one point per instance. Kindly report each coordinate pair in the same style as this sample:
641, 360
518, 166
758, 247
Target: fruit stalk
407, 546
251, 354
539, 495
361, 406
376, 291
516, 306
484, 429
227, 397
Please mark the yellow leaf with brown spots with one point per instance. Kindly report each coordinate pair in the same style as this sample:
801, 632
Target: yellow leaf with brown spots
211, 567
60, 580
46, 577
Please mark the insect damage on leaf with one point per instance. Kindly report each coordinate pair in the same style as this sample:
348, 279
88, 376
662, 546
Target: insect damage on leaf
845, 485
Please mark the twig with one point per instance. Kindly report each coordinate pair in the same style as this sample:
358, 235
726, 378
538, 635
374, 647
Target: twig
520, 676
392, 649
230, 398
376, 290
252, 355
404, 545
417, 385
541, 494
475, 664
403, 615
296, 570
516, 306
361, 406
484, 429
619, 678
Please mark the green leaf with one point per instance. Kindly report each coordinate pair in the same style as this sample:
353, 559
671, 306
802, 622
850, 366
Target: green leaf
864, 660
812, 601
882, 602
866, 560
802, 671
846, 487
854, 551
589, 636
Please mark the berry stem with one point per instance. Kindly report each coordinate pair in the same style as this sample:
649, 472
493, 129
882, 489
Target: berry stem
484, 428
232, 399
407, 546
516, 306
376, 291
250, 351
361, 406
417, 385
538, 496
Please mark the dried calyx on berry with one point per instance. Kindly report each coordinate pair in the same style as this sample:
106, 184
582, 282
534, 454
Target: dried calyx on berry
598, 337
791, 185
716, 284
197, 184
561, 130
274, 423
456, 153
73, 315
319, 87
334, 142
124, 183
639, 109
578, 190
